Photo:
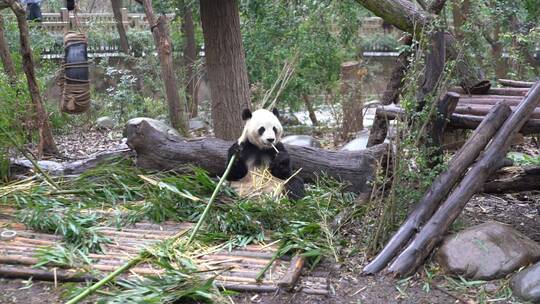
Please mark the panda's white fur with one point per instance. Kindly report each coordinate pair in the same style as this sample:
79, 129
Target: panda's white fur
273, 130
262, 164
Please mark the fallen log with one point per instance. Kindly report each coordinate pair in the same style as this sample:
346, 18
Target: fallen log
159, 149
441, 187
471, 122
496, 91
516, 83
482, 110
431, 234
513, 179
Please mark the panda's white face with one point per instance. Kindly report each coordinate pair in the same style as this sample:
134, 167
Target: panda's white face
263, 129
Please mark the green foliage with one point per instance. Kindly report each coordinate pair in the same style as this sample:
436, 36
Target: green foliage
319, 31
524, 159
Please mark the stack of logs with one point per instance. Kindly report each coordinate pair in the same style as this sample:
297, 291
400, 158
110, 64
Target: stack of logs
467, 172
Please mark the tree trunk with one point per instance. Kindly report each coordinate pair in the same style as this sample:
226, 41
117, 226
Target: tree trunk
435, 60
160, 31
514, 179
351, 102
5, 55
430, 235
445, 109
117, 12
311, 111
441, 186
157, 149
391, 94
190, 56
226, 66
46, 144
411, 18
460, 12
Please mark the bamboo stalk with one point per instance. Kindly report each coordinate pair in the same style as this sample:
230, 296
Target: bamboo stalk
205, 212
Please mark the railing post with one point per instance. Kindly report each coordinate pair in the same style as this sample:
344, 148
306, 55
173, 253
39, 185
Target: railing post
64, 17
125, 20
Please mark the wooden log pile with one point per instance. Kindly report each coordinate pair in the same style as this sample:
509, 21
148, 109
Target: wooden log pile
450, 192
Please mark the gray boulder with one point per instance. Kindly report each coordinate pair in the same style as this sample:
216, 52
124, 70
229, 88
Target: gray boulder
526, 284
197, 124
301, 140
105, 122
156, 124
488, 251
359, 143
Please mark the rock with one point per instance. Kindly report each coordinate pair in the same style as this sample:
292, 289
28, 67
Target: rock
289, 119
526, 284
156, 124
105, 122
487, 251
197, 124
359, 143
301, 140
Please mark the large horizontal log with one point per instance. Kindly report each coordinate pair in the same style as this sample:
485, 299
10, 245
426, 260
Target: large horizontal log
496, 91
488, 101
482, 110
514, 179
463, 121
516, 83
159, 149
457, 121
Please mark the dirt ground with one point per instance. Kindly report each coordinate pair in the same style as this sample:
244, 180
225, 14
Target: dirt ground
347, 284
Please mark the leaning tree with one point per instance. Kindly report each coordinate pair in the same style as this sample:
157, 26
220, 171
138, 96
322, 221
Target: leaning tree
46, 142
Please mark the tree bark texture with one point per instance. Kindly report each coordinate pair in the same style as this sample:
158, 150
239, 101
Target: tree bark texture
117, 12
190, 56
441, 186
46, 141
379, 129
5, 55
445, 109
225, 63
409, 17
352, 104
311, 111
430, 235
160, 32
435, 60
460, 12
157, 149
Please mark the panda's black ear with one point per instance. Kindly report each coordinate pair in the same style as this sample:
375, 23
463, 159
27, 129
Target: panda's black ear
246, 114
276, 112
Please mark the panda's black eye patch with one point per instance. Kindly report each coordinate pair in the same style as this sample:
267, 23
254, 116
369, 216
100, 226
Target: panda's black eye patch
275, 130
261, 130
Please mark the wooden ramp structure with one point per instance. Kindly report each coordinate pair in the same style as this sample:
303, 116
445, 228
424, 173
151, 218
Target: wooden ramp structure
470, 109
18, 255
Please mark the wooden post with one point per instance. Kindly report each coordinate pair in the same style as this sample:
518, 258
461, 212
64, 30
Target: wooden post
441, 186
64, 17
433, 231
125, 18
351, 95
160, 32
445, 108
119, 15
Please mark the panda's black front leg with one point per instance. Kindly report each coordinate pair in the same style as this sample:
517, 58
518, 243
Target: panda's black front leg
239, 168
280, 166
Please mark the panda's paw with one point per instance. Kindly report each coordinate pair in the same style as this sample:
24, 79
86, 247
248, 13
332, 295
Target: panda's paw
236, 149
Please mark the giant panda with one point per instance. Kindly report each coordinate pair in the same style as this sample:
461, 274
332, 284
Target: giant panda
259, 148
